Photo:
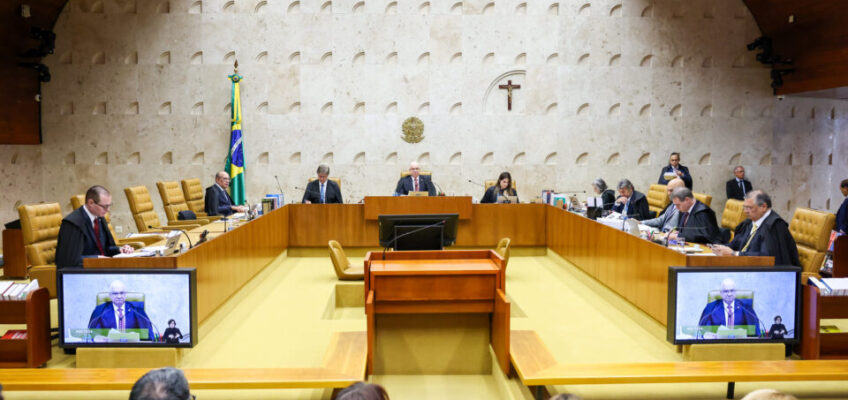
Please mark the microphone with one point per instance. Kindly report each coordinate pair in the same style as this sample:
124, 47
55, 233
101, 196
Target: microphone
477, 183
156, 330
441, 192
203, 237
306, 190
184, 233
743, 308
99, 317
394, 240
278, 184
570, 191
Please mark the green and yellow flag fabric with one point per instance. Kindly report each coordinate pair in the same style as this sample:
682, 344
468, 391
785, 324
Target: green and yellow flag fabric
235, 158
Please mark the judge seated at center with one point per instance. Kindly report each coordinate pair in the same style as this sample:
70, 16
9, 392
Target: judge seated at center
695, 221
499, 192
415, 182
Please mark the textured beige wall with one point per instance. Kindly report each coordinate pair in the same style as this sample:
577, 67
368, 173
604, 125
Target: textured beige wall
608, 89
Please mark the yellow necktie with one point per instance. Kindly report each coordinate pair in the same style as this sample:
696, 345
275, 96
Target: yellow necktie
751, 236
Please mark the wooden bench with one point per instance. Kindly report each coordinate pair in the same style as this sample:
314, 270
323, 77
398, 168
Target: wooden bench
343, 365
536, 367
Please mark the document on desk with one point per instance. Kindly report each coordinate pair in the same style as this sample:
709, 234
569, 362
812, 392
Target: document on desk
135, 235
137, 253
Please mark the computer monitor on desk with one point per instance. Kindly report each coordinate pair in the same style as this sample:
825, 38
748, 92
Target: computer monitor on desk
418, 231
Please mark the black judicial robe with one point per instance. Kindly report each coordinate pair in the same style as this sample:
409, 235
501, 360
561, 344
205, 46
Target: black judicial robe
771, 239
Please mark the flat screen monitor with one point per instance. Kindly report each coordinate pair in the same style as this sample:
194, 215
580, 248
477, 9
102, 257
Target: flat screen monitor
424, 222
127, 307
728, 305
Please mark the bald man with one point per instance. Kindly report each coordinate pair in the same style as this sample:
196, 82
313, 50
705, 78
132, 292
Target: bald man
218, 200
728, 311
667, 220
415, 182
118, 314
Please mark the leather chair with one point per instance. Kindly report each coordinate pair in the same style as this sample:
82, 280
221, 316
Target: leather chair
344, 270
172, 198
732, 216
194, 191
503, 249
78, 200
703, 198
141, 206
404, 174
657, 198
811, 231
40, 225
493, 182
337, 180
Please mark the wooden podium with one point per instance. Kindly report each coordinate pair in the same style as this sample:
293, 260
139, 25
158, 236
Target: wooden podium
438, 282
377, 205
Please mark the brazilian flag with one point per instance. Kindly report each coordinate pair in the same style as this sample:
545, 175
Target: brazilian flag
235, 159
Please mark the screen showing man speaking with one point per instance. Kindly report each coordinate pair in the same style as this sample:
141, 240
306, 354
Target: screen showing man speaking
727, 304
127, 307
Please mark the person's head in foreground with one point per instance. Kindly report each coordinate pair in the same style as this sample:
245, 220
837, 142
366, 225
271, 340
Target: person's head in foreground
363, 391
768, 394
565, 396
161, 384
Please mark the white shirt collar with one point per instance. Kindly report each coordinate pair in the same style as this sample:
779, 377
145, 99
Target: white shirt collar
219, 187
759, 222
91, 217
116, 308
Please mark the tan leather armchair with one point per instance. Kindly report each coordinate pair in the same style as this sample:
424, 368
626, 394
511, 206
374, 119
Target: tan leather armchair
703, 198
40, 225
503, 249
337, 180
193, 191
344, 270
732, 215
811, 231
141, 206
78, 200
404, 174
172, 198
493, 182
657, 198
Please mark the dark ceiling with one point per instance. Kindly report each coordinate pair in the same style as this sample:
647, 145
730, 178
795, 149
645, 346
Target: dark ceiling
813, 33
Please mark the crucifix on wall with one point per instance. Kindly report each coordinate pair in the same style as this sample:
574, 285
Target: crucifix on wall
509, 86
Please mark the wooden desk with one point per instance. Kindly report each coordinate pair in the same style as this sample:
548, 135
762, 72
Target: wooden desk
376, 205
633, 267
437, 282
14, 254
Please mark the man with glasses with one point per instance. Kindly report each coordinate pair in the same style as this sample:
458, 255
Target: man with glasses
218, 200
764, 233
84, 233
415, 182
118, 314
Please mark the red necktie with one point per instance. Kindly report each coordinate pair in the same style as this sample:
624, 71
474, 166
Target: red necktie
97, 237
122, 323
730, 316
416, 183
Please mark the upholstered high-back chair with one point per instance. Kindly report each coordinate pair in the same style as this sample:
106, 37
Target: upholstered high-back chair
78, 200
811, 231
40, 227
172, 198
337, 180
344, 270
141, 206
732, 216
703, 198
657, 198
404, 174
493, 182
503, 249
193, 191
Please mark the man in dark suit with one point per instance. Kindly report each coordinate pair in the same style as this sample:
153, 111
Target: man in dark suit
764, 233
728, 311
695, 221
667, 220
118, 314
218, 200
675, 170
842, 214
738, 187
322, 190
415, 182
84, 232
630, 202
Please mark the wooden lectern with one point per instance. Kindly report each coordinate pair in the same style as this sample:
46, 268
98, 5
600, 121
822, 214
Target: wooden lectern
438, 282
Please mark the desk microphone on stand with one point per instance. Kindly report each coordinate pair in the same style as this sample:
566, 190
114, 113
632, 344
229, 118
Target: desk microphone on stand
394, 240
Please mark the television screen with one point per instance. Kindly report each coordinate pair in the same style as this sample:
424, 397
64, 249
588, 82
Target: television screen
416, 225
722, 305
127, 307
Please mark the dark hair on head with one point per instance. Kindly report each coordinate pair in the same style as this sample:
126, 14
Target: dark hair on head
502, 176
844, 183
625, 183
94, 193
777, 317
566, 396
323, 169
161, 384
682, 193
674, 153
363, 391
600, 184
760, 197
172, 320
